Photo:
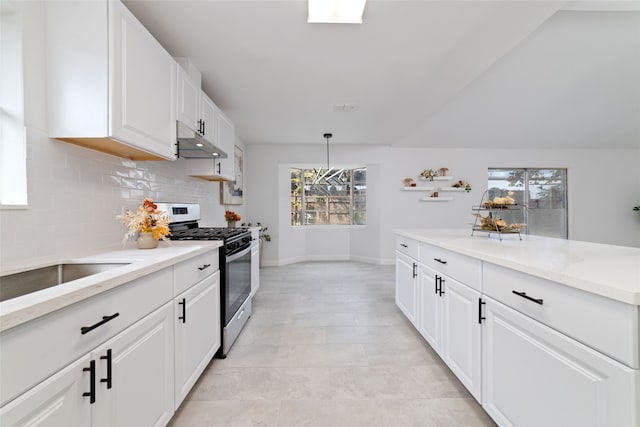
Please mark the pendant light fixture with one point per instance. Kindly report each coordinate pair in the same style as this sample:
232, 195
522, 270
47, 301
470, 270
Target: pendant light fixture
328, 136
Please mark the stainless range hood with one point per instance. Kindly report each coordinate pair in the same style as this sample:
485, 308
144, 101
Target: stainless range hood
191, 145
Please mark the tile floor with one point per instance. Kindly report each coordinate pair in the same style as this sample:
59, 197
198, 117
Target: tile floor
326, 346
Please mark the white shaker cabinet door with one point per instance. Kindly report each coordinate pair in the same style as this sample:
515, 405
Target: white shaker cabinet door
406, 288
188, 94
197, 328
144, 83
57, 401
226, 137
462, 331
430, 308
535, 376
208, 117
134, 375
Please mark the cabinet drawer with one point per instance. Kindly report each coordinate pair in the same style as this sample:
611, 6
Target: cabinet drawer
464, 269
190, 272
31, 352
408, 247
606, 325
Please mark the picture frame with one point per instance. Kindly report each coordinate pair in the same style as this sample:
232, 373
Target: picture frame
231, 192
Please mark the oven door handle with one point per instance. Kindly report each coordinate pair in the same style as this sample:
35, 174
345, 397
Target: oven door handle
237, 255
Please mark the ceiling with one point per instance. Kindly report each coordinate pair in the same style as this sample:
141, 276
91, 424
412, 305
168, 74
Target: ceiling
419, 73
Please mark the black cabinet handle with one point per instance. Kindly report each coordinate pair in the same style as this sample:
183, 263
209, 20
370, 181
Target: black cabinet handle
203, 128
525, 296
91, 394
440, 261
436, 284
105, 319
204, 267
415, 270
200, 131
183, 303
109, 377
404, 245
219, 167
480, 316
439, 281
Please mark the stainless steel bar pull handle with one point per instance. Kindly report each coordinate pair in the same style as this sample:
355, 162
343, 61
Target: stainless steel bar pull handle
524, 295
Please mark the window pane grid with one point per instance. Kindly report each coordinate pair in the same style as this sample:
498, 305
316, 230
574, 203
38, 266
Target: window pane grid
328, 197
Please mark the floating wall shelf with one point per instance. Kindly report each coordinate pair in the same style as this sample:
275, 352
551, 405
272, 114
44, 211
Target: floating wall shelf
418, 188
437, 178
453, 189
436, 199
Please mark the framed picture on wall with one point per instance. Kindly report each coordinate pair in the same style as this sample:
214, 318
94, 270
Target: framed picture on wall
231, 191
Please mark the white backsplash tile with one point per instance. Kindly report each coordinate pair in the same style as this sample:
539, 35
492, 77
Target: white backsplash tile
74, 195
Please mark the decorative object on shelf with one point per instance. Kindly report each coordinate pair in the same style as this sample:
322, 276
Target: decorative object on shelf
462, 184
429, 174
409, 182
443, 171
148, 222
495, 220
231, 217
434, 194
231, 192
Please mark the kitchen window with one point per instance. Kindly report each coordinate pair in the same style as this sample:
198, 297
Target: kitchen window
543, 192
13, 153
328, 196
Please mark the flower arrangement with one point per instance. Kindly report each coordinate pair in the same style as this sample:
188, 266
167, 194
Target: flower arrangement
147, 219
463, 184
231, 216
498, 224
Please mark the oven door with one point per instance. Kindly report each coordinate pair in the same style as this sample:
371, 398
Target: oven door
237, 282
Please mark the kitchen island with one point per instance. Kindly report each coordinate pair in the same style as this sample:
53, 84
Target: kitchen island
541, 331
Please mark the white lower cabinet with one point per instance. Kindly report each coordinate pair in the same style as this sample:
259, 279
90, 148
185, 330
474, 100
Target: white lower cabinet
125, 382
57, 401
197, 332
406, 286
449, 320
134, 374
255, 265
536, 376
430, 312
462, 332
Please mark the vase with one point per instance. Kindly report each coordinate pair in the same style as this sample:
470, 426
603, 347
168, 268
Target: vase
146, 241
231, 224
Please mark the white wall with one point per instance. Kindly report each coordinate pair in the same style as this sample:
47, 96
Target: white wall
603, 186
75, 193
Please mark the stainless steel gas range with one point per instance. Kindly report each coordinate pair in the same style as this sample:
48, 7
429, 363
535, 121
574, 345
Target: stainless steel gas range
235, 265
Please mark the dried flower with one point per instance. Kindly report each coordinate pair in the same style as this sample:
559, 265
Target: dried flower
231, 216
147, 219
462, 184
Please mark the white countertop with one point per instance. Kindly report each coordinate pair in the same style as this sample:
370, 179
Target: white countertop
607, 270
19, 310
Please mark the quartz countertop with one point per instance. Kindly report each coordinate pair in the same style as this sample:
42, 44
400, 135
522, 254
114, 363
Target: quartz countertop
16, 311
607, 270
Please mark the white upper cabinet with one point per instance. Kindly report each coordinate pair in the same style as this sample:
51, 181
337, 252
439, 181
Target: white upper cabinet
111, 86
188, 108
226, 141
208, 123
